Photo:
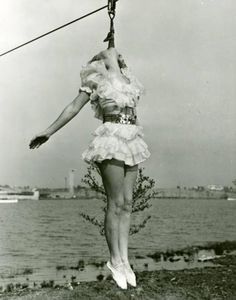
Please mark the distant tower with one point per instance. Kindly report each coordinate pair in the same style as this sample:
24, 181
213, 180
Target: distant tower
65, 183
71, 182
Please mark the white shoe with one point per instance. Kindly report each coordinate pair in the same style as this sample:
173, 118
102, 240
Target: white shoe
118, 275
130, 276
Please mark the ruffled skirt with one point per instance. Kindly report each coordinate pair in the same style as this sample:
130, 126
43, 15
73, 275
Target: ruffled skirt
119, 141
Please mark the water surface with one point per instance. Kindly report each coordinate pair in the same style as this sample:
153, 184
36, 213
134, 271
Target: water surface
44, 234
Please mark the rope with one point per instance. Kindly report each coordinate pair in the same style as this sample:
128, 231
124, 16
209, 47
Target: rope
53, 30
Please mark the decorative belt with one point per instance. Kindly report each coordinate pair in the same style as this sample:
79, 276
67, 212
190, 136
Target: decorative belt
126, 116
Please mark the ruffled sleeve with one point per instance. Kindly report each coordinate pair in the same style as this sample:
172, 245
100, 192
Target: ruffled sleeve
88, 76
91, 76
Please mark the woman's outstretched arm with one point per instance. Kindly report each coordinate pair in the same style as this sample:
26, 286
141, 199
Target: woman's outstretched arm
67, 114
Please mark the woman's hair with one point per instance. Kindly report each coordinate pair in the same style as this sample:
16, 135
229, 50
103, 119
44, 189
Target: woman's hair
121, 62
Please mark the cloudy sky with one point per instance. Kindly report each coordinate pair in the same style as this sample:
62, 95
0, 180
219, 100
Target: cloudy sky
182, 51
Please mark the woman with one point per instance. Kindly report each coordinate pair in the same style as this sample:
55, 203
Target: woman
117, 148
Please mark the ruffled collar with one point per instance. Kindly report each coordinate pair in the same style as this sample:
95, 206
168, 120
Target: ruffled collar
99, 74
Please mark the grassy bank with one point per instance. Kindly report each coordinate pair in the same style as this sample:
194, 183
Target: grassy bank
217, 282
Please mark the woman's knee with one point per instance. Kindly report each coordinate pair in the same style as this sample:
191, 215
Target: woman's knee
127, 206
115, 205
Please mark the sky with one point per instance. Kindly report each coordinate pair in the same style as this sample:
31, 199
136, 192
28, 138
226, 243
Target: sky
182, 51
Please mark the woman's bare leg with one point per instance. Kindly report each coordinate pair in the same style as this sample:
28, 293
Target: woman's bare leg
124, 225
112, 172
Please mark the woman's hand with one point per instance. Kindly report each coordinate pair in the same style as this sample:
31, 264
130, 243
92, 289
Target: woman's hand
38, 140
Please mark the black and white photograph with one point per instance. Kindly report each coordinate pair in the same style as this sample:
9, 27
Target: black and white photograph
118, 150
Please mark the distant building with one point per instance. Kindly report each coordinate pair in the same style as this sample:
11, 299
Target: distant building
215, 187
80, 192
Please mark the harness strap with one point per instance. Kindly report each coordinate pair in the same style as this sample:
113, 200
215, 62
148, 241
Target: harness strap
111, 34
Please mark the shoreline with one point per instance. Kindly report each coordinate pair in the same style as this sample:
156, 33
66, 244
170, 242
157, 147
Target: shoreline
216, 282
203, 284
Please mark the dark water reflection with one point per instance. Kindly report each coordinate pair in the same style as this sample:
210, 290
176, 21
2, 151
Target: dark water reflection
44, 234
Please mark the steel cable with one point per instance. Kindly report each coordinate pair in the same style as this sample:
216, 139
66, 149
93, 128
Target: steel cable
53, 30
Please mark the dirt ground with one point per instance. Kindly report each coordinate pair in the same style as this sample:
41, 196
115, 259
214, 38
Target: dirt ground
216, 283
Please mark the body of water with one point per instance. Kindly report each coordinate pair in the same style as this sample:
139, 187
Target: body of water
44, 234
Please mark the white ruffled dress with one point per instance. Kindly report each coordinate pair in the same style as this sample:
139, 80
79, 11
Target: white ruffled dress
123, 142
